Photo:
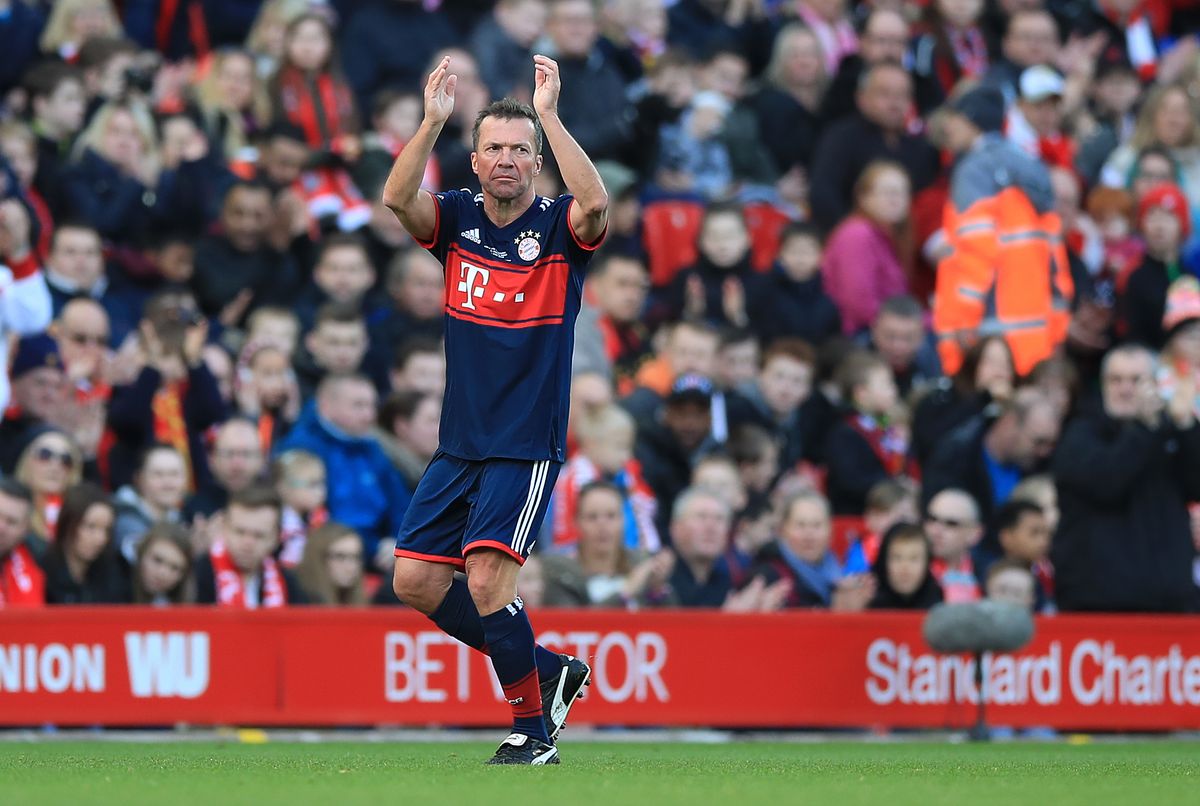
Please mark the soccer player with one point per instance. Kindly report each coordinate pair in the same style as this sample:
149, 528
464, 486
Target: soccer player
514, 267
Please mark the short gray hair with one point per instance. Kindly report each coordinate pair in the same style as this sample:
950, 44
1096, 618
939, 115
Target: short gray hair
685, 499
508, 109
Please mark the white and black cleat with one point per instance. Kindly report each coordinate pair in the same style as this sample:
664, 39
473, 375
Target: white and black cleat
560, 693
521, 749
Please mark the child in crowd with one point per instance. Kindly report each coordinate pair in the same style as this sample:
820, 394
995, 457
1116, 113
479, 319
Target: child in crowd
715, 289
606, 452
278, 326
1011, 581
395, 118
903, 576
299, 478
1040, 490
692, 155
791, 302
162, 568
866, 447
889, 502
718, 474
1024, 535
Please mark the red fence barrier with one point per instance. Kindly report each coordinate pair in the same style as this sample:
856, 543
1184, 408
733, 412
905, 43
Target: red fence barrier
126, 666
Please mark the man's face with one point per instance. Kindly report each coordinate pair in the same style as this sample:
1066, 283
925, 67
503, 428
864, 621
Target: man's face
62, 110
1032, 39
807, 529
897, 338
724, 239
572, 27
38, 391
272, 377
338, 346
1029, 540
506, 160
1014, 587
237, 456
885, 38
422, 372
622, 289
726, 74
1126, 382
82, 334
250, 535
886, 99
952, 524
785, 383
344, 273
14, 523
690, 421
701, 530
245, 216
692, 352
351, 407
283, 161
1036, 437
1162, 231
737, 364
1045, 116
601, 521
422, 291
75, 255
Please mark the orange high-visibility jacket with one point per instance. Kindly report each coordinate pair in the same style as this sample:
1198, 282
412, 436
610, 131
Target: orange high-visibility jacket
1007, 272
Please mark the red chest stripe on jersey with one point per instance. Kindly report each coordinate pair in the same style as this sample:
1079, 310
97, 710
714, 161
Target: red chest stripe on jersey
477, 291
502, 265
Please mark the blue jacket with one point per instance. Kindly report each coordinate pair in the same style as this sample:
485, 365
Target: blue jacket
365, 491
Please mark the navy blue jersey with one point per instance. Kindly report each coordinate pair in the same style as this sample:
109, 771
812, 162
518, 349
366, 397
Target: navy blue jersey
512, 296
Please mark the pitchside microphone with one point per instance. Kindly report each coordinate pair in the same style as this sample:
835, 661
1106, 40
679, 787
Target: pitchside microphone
978, 627
984, 626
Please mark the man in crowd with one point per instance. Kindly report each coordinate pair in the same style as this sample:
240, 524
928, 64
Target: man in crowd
22, 583
954, 529
236, 460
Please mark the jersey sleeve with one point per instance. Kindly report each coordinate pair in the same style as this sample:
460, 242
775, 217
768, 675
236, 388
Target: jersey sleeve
448, 205
578, 252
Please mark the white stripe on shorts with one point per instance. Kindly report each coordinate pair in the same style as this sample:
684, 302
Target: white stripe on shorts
537, 486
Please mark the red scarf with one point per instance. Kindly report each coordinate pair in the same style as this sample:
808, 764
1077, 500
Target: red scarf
22, 583
231, 592
323, 107
889, 447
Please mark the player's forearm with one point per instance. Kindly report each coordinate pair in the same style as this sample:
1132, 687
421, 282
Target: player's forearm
403, 186
578, 172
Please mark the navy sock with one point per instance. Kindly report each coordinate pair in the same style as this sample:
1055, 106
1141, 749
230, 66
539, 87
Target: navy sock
458, 617
510, 643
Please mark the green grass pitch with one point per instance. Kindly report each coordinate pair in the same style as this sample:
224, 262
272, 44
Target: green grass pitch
738, 774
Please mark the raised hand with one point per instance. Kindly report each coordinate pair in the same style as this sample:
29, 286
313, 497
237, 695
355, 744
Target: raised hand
439, 93
546, 86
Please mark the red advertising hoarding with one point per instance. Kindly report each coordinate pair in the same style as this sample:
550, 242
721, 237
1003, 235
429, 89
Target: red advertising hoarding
309, 666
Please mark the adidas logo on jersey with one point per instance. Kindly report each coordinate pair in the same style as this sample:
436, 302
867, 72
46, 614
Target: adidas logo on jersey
471, 235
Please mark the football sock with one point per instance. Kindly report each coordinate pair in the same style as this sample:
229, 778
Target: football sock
458, 617
509, 637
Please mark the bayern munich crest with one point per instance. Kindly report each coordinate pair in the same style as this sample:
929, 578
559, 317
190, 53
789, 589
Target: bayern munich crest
528, 247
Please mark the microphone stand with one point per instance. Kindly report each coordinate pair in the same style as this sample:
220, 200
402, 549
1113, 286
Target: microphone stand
980, 731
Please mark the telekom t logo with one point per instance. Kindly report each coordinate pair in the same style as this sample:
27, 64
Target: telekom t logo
474, 278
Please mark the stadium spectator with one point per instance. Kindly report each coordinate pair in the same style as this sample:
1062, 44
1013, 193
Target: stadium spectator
409, 424
988, 456
1011, 581
81, 332
899, 335
688, 348
1163, 221
903, 572
174, 397
26, 304
38, 382
266, 390
1124, 476
619, 285
503, 43
162, 568
877, 131
57, 103
833, 25
865, 446
300, 480
1114, 94
233, 103
83, 567
888, 503
667, 447
1023, 292
331, 571
155, 495
415, 289
343, 275
337, 344
75, 269
738, 360
717, 287
236, 459
419, 366
18, 147
791, 301
951, 45
726, 72
48, 463
364, 491
1024, 535
987, 376
22, 582
800, 556
601, 569
1030, 38
718, 474
308, 90
954, 527
19, 35
1035, 122
789, 100
781, 400
867, 257
238, 571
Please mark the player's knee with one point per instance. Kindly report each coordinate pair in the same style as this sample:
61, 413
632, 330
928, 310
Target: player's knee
417, 588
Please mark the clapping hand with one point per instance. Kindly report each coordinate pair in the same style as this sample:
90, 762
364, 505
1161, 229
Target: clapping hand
546, 86
439, 93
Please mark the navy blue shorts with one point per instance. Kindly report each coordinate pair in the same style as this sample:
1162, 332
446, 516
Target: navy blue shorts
461, 505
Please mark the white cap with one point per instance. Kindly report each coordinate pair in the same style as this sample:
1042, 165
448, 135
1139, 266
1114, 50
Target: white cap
1041, 82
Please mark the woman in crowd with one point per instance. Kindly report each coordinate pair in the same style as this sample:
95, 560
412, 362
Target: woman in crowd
903, 579
160, 482
234, 102
1168, 118
83, 567
50, 463
868, 256
74, 22
788, 104
309, 91
331, 571
162, 568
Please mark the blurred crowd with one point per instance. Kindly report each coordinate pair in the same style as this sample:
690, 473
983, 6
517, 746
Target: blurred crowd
898, 302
